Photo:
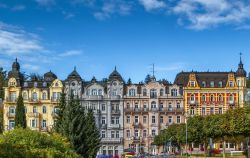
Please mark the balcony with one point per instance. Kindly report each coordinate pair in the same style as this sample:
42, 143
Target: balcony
34, 100
193, 102
117, 126
154, 109
115, 97
137, 125
55, 99
104, 126
137, 110
231, 102
10, 115
31, 114
11, 100
117, 112
111, 140
94, 97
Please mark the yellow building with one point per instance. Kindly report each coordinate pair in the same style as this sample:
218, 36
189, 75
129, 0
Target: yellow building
41, 96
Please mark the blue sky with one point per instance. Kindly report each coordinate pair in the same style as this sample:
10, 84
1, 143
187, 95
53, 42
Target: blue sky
97, 35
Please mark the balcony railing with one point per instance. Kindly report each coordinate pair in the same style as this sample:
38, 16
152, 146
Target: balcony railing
11, 100
231, 102
171, 110
10, 115
192, 102
31, 114
154, 109
55, 99
111, 140
34, 100
115, 97
114, 125
117, 111
94, 97
103, 126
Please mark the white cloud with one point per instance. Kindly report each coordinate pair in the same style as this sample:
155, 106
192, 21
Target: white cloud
45, 2
68, 15
203, 14
112, 7
152, 4
14, 40
71, 53
18, 8
31, 67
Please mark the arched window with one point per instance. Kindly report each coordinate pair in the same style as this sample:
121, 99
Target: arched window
34, 109
211, 97
44, 109
153, 104
161, 92
220, 98
144, 93
203, 84
44, 96
231, 97
34, 96
128, 105
94, 92
44, 84
192, 98
203, 98
25, 96
174, 92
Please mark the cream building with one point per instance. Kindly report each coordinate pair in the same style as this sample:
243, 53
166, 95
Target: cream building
148, 109
40, 96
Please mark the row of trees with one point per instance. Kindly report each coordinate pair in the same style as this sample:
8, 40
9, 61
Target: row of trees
233, 126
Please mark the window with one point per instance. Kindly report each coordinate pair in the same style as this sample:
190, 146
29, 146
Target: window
103, 107
34, 96
94, 92
112, 134
231, 83
153, 132
103, 134
136, 133
203, 98
128, 133
173, 92
34, 109
203, 111
153, 104
44, 96
128, 119
153, 93
13, 96
25, 84
100, 92
178, 119
203, 84
212, 84
220, 84
161, 92
11, 124
112, 120
44, 124
161, 119
44, 109
117, 120
144, 133
212, 110
192, 111
34, 123
25, 96
231, 97
144, 92
220, 98
103, 120
192, 83
192, 98
153, 119
131, 92
136, 119
211, 97
114, 92
136, 106
169, 119
144, 119
35, 84
128, 105
117, 134
178, 105
161, 105
12, 110
220, 110
44, 84
170, 106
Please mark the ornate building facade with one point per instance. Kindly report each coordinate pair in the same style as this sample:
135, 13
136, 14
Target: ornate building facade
148, 109
40, 98
105, 98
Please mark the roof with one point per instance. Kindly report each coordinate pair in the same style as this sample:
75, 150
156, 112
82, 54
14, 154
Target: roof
49, 76
182, 78
74, 75
115, 75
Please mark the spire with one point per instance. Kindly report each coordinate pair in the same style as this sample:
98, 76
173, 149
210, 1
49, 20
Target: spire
74, 68
240, 64
241, 72
16, 59
115, 68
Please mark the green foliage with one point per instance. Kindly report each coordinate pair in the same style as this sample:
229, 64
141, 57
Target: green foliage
248, 83
59, 114
20, 118
147, 79
129, 82
79, 127
3, 78
25, 143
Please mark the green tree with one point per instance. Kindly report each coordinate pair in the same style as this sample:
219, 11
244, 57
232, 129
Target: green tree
3, 78
25, 143
20, 118
129, 82
147, 78
59, 115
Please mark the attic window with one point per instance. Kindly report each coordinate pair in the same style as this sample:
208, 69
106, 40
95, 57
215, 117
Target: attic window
212, 84
44, 84
192, 84
203, 84
35, 84
231, 83
220, 84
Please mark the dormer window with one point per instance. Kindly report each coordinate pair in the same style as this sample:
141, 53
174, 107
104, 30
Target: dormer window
94, 92
100, 92
192, 98
153, 93
44, 84
220, 84
173, 92
132, 92
212, 84
203, 84
192, 83
231, 83
25, 84
34, 96
35, 84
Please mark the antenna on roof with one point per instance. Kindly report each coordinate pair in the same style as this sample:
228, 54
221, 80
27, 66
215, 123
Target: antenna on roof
240, 57
153, 70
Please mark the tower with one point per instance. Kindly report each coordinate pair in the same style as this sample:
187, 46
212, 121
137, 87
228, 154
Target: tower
241, 82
